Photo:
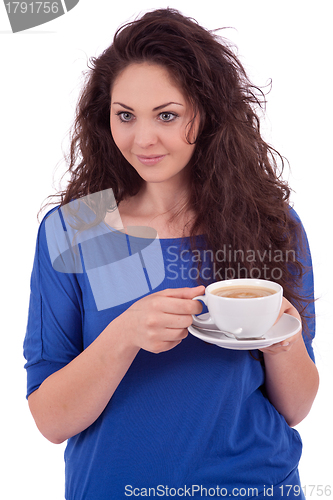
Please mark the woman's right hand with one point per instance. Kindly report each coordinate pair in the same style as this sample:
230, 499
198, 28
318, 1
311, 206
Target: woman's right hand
159, 322
71, 399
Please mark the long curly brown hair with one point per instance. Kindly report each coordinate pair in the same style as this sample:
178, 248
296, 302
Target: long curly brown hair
236, 189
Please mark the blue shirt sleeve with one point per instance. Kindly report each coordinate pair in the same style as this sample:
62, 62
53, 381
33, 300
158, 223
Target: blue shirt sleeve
307, 289
54, 330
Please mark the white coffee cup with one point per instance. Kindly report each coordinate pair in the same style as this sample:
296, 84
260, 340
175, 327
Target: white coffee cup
241, 317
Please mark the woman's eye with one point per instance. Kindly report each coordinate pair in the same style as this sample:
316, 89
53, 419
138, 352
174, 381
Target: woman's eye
168, 117
125, 116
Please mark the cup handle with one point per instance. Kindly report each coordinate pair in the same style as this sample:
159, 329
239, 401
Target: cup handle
197, 319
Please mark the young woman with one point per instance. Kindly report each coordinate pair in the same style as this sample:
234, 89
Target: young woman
167, 121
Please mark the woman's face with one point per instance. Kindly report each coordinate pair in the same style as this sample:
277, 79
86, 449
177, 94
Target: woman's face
149, 118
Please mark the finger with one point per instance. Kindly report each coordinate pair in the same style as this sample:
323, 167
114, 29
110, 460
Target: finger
284, 345
288, 308
172, 337
177, 334
183, 293
176, 321
165, 346
174, 305
282, 309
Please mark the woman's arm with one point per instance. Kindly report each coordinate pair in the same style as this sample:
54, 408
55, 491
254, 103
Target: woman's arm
292, 378
71, 399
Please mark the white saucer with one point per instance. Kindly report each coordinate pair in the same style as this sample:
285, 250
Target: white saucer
287, 326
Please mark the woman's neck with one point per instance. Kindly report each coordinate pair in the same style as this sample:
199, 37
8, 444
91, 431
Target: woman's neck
159, 199
165, 208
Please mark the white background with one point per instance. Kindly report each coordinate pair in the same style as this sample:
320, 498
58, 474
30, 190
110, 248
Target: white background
289, 42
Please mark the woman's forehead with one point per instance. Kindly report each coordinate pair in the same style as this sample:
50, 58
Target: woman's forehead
149, 81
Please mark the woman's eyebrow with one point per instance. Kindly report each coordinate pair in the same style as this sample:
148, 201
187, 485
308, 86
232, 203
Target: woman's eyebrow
123, 105
155, 109
167, 104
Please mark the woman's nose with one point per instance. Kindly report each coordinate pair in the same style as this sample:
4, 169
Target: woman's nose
145, 135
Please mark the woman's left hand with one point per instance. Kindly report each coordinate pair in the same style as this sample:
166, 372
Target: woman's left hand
286, 344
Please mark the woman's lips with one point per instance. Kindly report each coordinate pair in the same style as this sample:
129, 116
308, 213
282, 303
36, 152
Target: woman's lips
150, 160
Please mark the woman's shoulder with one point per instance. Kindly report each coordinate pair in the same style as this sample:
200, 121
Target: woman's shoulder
294, 215
49, 215
56, 240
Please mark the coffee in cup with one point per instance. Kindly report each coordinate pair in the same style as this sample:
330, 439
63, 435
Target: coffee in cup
243, 292
244, 308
